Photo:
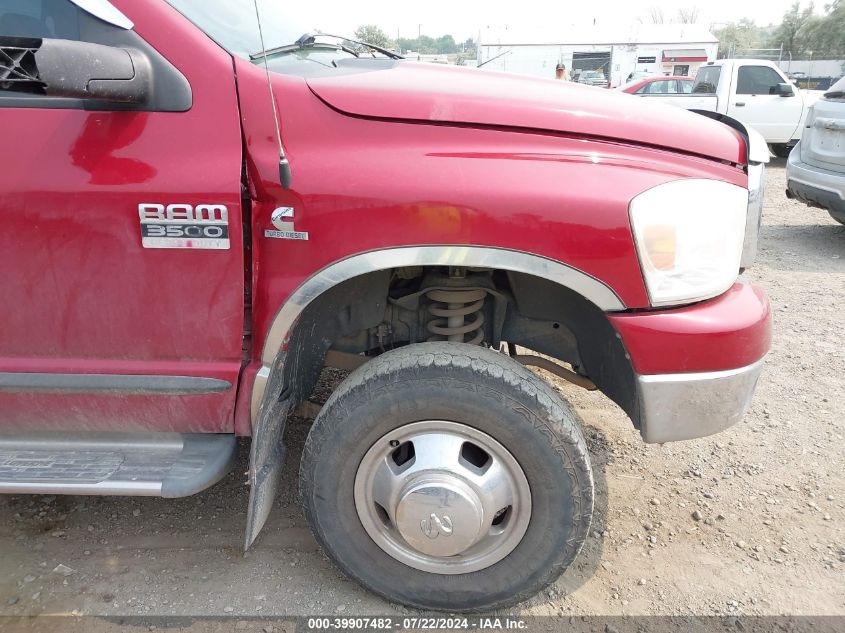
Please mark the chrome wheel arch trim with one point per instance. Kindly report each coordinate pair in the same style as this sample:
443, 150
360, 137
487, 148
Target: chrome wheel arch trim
106, 11
587, 286
475, 256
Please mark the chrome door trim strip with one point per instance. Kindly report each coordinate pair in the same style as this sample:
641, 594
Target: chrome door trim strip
32, 382
443, 255
105, 11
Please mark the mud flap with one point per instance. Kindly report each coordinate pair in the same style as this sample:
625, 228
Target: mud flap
266, 457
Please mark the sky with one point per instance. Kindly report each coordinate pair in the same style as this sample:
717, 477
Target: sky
464, 19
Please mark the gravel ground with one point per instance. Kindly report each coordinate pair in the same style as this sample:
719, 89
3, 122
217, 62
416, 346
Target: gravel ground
751, 521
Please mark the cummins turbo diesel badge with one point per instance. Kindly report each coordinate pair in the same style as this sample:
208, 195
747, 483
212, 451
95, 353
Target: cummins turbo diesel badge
184, 226
282, 219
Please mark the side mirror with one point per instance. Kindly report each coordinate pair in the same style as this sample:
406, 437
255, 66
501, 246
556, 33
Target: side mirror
81, 70
785, 90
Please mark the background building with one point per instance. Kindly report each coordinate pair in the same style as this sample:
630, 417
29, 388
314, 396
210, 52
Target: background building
616, 52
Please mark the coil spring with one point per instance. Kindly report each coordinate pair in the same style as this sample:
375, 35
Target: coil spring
453, 307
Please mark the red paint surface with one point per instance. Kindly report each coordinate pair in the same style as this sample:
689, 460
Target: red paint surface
431, 92
685, 59
361, 184
450, 166
728, 332
125, 413
79, 293
648, 80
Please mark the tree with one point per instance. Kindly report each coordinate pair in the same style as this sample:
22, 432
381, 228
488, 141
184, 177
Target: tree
688, 15
739, 36
426, 45
371, 34
826, 35
795, 28
446, 44
423, 44
802, 34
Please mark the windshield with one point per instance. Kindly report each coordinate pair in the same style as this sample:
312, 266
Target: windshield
707, 80
232, 23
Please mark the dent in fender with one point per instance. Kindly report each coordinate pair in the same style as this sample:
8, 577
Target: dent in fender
476, 256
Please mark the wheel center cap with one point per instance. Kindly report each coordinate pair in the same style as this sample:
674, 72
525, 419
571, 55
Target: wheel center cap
439, 515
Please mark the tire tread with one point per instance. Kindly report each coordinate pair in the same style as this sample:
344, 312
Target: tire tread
558, 424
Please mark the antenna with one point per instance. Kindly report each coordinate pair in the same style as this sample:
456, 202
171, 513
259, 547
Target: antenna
284, 165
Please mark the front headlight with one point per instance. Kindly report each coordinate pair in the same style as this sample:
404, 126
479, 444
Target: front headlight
689, 236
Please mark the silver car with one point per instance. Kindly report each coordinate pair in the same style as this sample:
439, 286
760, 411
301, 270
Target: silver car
592, 78
815, 171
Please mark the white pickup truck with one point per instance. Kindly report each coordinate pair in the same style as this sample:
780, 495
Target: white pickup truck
753, 91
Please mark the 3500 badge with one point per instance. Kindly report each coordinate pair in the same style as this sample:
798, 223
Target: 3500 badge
184, 226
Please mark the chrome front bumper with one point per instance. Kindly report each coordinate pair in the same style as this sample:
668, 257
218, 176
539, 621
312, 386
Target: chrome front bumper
686, 406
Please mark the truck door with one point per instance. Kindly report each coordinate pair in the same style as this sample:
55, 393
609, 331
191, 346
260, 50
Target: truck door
756, 103
121, 301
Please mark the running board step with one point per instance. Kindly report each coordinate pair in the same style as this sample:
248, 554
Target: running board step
153, 465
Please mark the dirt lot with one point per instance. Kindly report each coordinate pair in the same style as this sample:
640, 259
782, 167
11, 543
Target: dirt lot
751, 521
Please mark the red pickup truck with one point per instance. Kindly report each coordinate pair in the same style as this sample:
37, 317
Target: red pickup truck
197, 224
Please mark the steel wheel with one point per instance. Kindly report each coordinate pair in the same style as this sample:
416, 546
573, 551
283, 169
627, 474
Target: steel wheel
415, 478
442, 497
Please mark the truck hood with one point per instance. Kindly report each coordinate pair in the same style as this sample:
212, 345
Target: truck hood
411, 91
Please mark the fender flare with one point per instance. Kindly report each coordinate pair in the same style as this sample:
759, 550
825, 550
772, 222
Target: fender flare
587, 286
269, 411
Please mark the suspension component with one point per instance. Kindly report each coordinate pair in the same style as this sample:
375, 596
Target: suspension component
557, 370
459, 315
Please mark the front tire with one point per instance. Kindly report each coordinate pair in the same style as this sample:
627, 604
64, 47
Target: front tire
448, 476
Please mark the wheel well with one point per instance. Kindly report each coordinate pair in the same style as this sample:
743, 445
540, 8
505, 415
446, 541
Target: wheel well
373, 312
